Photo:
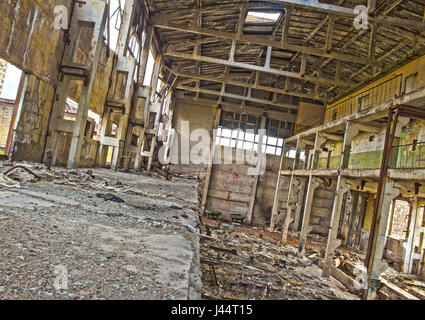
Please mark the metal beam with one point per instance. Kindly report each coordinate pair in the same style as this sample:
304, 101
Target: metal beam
226, 80
233, 107
230, 63
236, 96
349, 13
163, 21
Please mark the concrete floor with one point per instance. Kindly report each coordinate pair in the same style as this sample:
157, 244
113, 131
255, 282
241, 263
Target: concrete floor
111, 235
143, 248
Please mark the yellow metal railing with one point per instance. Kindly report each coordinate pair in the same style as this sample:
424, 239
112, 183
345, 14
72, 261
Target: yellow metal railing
380, 93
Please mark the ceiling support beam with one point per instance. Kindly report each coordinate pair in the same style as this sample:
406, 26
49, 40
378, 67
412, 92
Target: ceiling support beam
232, 63
162, 21
248, 97
330, 33
233, 107
349, 13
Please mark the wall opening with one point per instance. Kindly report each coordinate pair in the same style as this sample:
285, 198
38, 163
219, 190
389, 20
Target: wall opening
400, 220
10, 80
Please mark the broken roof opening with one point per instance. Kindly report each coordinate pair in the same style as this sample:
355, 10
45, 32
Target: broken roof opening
269, 17
261, 22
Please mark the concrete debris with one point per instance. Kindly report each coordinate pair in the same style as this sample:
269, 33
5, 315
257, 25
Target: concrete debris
407, 285
242, 266
109, 197
129, 249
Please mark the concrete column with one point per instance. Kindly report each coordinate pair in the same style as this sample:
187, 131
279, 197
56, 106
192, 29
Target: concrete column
313, 184
141, 92
210, 163
353, 214
97, 12
351, 130
342, 187
378, 265
297, 154
142, 137
275, 209
126, 24
293, 185
154, 84
256, 177
298, 206
410, 244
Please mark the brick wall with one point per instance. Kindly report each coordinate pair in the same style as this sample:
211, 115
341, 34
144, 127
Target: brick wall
6, 111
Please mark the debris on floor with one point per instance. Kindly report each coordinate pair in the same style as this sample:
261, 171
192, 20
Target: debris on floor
129, 248
240, 266
411, 284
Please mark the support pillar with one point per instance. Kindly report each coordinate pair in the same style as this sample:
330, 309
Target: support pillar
275, 209
293, 185
313, 184
256, 177
378, 265
141, 102
410, 244
121, 90
210, 163
94, 11
342, 187
298, 207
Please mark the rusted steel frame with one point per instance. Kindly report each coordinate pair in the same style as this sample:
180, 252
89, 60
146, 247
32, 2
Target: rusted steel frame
393, 114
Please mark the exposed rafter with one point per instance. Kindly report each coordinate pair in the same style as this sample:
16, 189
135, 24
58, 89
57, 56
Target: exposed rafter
227, 80
163, 21
265, 69
248, 97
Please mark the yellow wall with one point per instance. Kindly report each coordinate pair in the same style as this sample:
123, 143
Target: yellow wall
415, 66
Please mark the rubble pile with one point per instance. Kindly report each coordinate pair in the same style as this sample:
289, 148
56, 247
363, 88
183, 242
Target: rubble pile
115, 235
241, 266
409, 283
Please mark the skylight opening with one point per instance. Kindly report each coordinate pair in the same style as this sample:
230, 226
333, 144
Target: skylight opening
262, 17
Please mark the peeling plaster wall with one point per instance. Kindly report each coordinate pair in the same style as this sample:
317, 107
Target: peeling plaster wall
321, 210
230, 185
30, 133
265, 191
28, 39
199, 116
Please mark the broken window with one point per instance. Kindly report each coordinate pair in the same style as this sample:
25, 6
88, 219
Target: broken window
10, 78
71, 109
149, 70
95, 125
116, 10
240, 131
400, 220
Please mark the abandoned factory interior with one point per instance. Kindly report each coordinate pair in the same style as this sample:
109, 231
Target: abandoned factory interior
212, 150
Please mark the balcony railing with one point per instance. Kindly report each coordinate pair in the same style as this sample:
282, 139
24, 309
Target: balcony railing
380, 93
383, 92
408, 156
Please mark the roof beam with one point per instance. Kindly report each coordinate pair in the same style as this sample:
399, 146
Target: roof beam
265, 69
233, 107
228, 80
348, 12
239, 97
162, 21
